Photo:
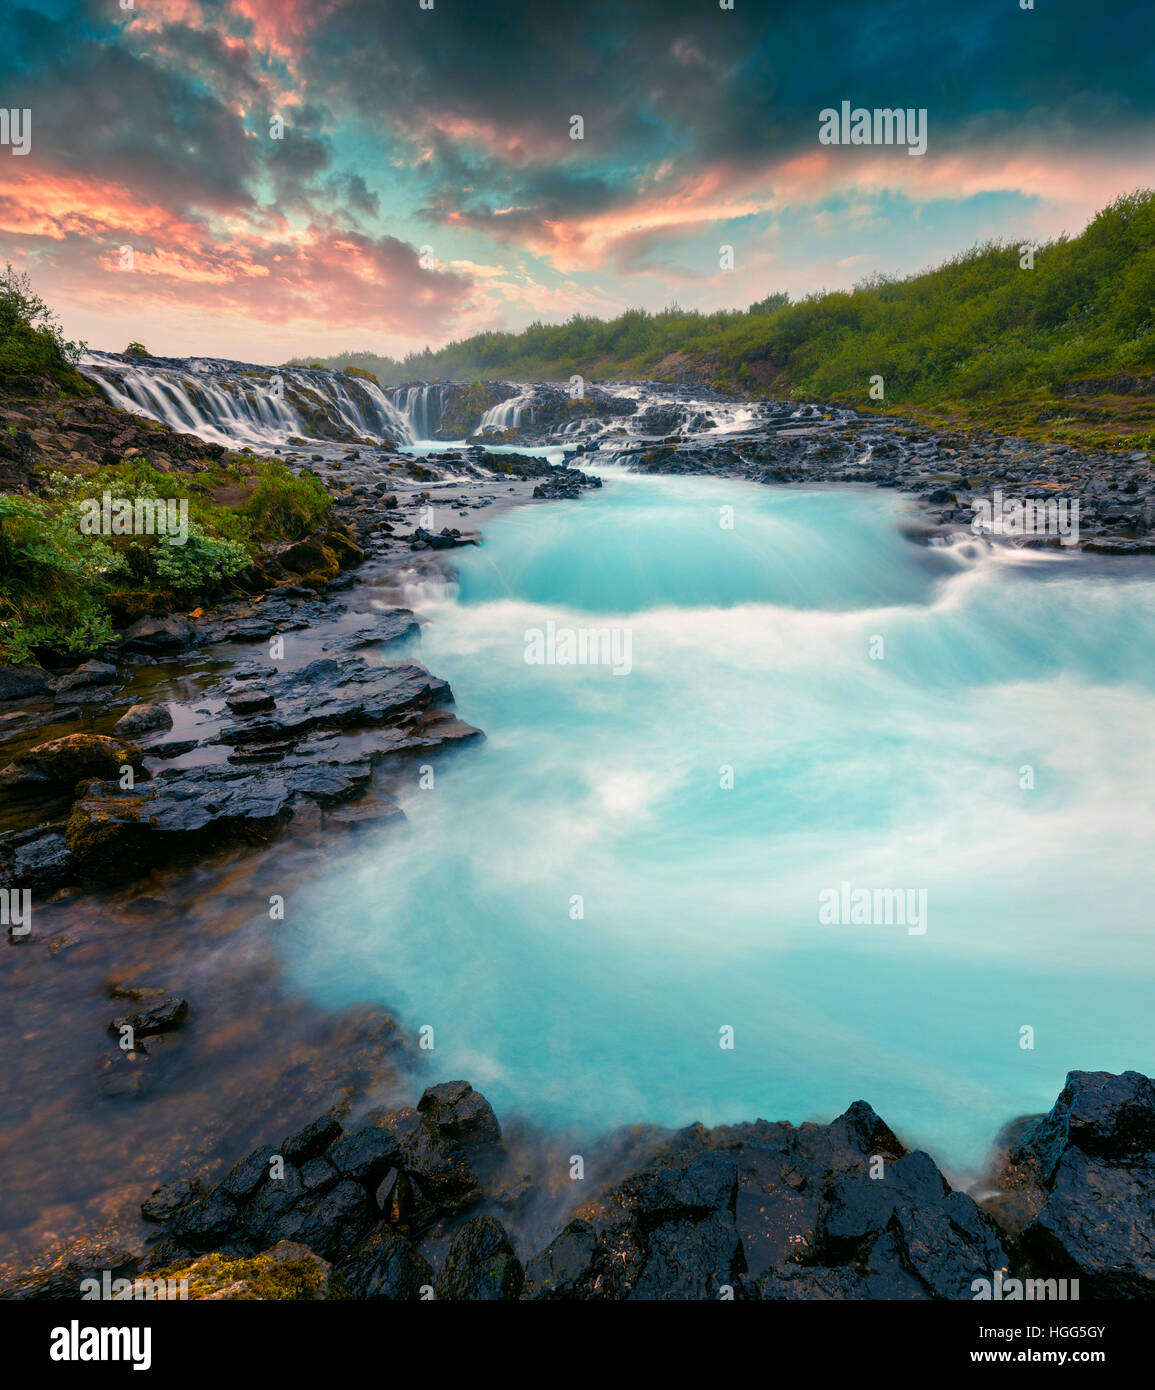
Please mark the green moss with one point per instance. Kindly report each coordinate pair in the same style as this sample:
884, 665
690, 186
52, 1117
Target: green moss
263, 1277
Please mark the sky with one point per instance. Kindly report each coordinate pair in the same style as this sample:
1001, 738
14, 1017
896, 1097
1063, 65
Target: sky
425, 184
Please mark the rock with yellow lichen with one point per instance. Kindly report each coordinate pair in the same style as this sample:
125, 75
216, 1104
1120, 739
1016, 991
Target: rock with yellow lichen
286, 1272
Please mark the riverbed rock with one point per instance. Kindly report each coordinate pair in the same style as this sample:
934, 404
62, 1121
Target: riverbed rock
142, 719
481, 1265
113, 833
770, 1211
340, 694
1086, 1174
460, 1113
167, 636
156, 1015
88, 675
171, 1198
248, 699
67, 760
383, 1265
21, 682
435, 1161
36, 859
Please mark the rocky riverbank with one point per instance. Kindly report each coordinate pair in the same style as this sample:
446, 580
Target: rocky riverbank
427, 1201
102, 779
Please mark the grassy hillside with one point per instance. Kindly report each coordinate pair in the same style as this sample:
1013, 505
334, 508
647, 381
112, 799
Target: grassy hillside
979, 338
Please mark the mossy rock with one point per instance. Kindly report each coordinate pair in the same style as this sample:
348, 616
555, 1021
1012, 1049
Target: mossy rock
71, 759
288, 1272
108, 834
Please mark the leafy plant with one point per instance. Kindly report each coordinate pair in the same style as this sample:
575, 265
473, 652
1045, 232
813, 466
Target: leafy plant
32, 342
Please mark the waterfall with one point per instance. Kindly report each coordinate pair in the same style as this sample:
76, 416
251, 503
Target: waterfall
504, 416
413, 402
233, 404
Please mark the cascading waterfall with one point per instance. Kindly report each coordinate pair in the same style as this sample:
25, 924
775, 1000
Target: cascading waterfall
422, 405
234, 405
506, 415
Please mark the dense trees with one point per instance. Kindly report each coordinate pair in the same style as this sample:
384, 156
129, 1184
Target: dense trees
979, 323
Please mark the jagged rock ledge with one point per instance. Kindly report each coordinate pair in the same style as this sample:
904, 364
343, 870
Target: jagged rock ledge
424, 1202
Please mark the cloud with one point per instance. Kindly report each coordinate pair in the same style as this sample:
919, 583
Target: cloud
452, 125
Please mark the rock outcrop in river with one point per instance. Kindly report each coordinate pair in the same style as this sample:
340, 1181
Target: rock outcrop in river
425, 1202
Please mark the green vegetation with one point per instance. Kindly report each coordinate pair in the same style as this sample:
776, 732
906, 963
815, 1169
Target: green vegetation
976, 337
137, 350
284, 505
362, 372
60, 587
256, 1277
31, 341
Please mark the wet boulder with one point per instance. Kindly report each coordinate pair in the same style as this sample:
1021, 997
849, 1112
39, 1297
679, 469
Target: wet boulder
774, 1211
1087, 1173
90, 675
170, 1198
383, 1265
65, 761
157, 1013
481, 1265
36, 859
460, 1113
436, 1162
248, 699
21, 682
142, 719
158, 637
312, 1140
365, 1155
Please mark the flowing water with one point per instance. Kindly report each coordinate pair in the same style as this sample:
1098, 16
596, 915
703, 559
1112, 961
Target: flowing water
633, 861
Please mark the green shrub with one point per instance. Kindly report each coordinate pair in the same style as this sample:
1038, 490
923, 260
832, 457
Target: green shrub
31, 341
285, 505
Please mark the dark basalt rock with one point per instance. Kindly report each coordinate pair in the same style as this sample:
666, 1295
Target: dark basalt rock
311, 1141
365, 1154
769, 1211
342, 694
460, 1113
1085, 1177
36, 859
436, 1162
88, 675
248, 699
142, 719
383, 1266
113, 833
481, 1264
666, 1233
752, 1212
157, 1015
20, 682
170, 1199
565, 484
158, 636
